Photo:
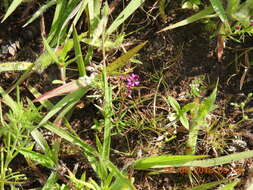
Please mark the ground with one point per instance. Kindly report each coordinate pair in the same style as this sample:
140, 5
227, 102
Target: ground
172, 62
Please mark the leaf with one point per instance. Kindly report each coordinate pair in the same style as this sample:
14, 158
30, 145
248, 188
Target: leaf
130, 8
220, 160
164, 161
78, 54
162, 6
61, 90
244, 13
121, 181
200, 15
11, 9
40, 158
107, 109
124, 58
72, 139
51, 181
9, 101
173, 102
232, 7
15, 66
100, 27
41, 10
70, 98
188, 107
207, 105
93, 12
218, 8
50, 51
208, 185
38, 137
230, 186
184, 120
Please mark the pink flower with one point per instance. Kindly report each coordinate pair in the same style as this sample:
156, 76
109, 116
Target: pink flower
251, 22
131, 81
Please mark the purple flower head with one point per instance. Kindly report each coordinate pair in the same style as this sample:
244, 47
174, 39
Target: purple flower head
131, 81
251, 22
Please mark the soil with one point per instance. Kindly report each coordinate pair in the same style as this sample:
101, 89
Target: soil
172, 60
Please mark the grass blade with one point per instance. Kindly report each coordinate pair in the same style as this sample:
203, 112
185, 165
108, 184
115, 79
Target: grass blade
78, 53
51, 181
50, 51
230, 186
208, 185
15, 66
41, 10
130, 8
201, 14
72, 139
11, 9
70, 98
9, 101
107, 117
38, 137
57, 33
77, 17
40, 158
164, 161
121, 182
220, 160
124, 58
218, 8
46, 103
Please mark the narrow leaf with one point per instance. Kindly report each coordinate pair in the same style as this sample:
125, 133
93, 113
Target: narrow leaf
130, 8
41, 10
14, 66
13, 6
40, 158
78, 53
220, 160
208, 185
124, 58
38, 137
72, 139
173, 102
50, 51
218, 8
230, 186
164, 161
70, 98
201, 14
51, 181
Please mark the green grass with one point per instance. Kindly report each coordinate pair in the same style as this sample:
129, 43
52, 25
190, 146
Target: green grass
160, 128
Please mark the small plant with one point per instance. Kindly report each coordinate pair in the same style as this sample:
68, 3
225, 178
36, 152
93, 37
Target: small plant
181, 113
15, 130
